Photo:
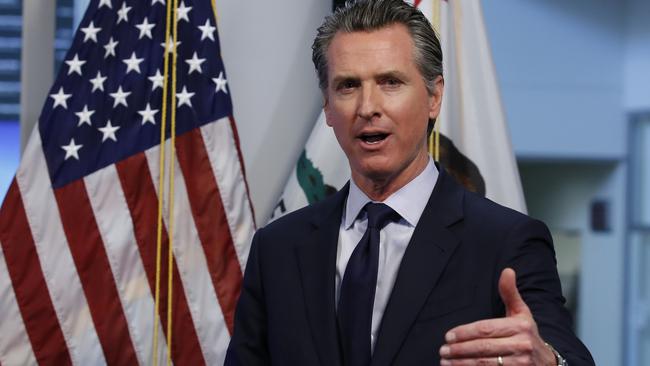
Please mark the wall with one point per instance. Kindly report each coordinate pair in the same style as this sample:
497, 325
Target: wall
559, 64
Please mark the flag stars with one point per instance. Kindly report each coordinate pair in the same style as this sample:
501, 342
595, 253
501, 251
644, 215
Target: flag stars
157, 80
90, 32
133, 63
108, 131
182, 12
123, 13
110, 48
106, 3
148, 115
195, 64
184, 98
120, 97
75, 64
145, 28
169, 45
207, 30
71, 150
98, 82
60, 99
84, 116
220, 83
154, 2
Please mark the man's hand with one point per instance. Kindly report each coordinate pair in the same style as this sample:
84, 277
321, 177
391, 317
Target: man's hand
514, 339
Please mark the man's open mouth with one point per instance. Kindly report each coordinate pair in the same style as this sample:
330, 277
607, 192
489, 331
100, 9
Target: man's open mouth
373, 138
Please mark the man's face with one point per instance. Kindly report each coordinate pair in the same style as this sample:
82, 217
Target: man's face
378, 105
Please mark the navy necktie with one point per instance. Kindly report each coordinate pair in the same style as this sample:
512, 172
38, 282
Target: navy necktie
357, 295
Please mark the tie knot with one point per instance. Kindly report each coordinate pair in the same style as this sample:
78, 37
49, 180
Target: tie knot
379, 215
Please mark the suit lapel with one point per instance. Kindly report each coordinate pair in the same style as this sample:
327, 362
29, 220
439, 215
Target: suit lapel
428, 252
317, 263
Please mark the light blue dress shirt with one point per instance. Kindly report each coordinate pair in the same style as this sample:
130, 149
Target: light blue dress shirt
409, 202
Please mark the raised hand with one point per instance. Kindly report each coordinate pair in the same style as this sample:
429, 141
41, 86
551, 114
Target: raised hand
512, 340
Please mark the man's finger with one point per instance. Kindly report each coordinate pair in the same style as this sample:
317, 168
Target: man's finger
489, 328
486, 347
510, 294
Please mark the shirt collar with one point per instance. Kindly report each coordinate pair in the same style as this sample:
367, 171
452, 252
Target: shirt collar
408, 201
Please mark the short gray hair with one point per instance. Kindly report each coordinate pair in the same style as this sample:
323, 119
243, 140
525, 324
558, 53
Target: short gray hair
370, 15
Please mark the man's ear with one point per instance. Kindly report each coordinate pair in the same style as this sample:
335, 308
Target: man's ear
435, 100
326, 109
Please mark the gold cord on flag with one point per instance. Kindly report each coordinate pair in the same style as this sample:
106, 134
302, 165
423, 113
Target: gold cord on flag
434, 137
172, 154
161, 186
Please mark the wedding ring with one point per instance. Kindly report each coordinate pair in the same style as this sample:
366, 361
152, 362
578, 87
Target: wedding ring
499, 360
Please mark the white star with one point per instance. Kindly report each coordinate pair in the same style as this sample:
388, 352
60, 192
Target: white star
110, 47
184, 98
108, 131
98, 82
133, 63
123, 13
157, 80
71, 150
145, 28
84, 116
207, 30
120, 97
60, 98
105, 2
153, 2
169, 44
182, 11
221, 83
75, 65
195, 63
148, 115
90, 32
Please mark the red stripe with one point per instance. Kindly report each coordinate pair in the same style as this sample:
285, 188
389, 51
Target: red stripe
233, 126
29, 285
141, 198
91, 260
211, 221
416, 3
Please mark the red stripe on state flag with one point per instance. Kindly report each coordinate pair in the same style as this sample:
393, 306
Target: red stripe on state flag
91, 260
27, 277
416, 3
211, 221
141, 198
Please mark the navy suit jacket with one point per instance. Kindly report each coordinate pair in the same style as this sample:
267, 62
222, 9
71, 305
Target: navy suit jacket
448, 276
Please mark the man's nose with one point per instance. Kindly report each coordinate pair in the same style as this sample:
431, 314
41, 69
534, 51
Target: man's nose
369, 103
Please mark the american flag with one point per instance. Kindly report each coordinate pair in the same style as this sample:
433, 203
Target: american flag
78, 227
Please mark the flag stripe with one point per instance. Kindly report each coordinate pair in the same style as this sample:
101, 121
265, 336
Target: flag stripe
192, 264
225, 162
58, 267
15, 346
210, 219
95, 273
140, 193
116, 229
235, 134
32, 296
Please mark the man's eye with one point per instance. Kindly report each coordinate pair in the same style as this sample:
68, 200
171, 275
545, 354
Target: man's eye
347, 84
391, 82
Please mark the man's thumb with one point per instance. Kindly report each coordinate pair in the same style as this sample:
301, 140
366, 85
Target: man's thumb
509, 293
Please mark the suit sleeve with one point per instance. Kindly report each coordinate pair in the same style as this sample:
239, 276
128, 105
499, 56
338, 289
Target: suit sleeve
248, 345
529, 251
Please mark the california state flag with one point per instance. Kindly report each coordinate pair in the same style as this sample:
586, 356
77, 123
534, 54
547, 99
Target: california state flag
474, 142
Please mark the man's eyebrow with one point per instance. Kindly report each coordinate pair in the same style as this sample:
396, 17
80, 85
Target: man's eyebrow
339, 78
392, 74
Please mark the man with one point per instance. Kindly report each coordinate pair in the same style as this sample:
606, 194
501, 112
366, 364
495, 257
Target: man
402, 266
